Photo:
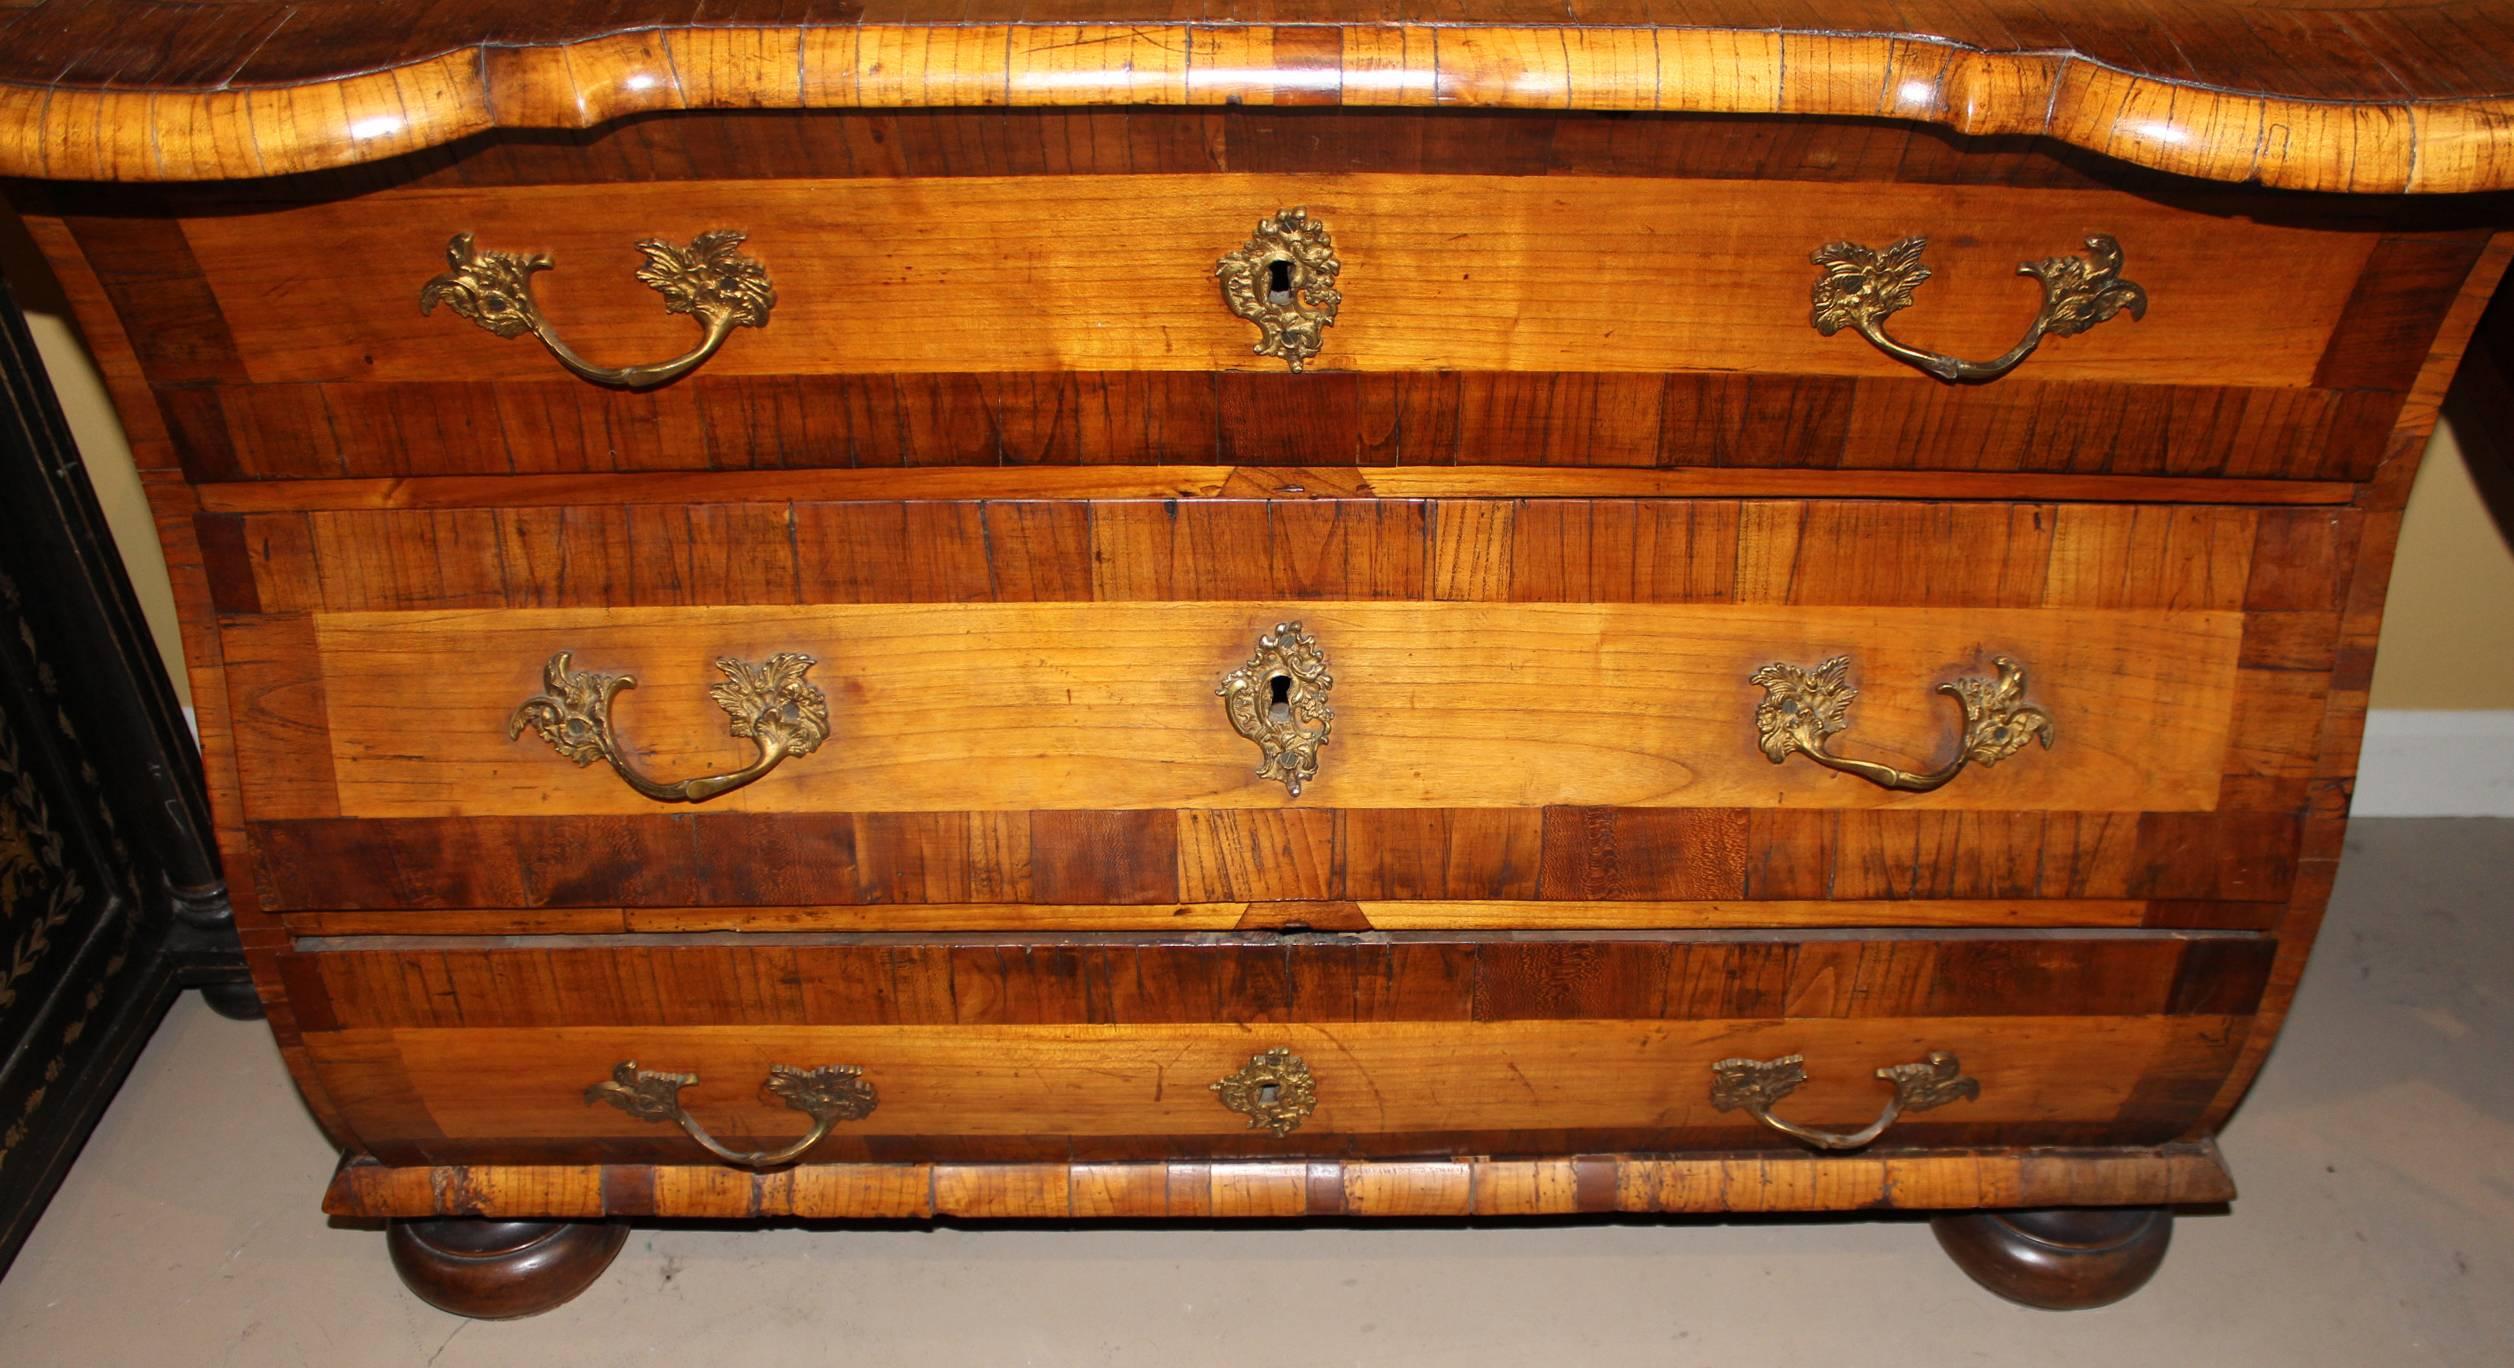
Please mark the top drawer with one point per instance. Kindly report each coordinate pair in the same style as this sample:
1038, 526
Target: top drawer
923, 316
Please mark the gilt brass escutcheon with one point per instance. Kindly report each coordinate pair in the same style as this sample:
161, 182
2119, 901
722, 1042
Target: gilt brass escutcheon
707, 280
1283, 279
1279, 700
1273, 1090
781, 712
1861, 287
829, 1094
1802, 710
1756, 1085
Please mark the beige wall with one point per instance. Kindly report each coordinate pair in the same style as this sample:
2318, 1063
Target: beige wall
2448, 639
2448, 629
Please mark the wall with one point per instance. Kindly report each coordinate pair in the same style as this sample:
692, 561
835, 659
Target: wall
2442, 740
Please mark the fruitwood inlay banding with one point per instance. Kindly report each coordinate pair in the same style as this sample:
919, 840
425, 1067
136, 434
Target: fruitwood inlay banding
1198, 1190
2193, 864
578, 553
1133, 981
2358, 100
1288, 915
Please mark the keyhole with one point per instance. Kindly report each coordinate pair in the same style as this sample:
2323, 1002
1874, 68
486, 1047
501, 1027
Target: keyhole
1279, 282
1279, 704
1267, 1093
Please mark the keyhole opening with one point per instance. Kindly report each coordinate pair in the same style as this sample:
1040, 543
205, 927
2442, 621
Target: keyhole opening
1268, 1093
1279, 282
1279, 698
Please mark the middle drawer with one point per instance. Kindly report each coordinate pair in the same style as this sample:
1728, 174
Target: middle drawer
1504, 703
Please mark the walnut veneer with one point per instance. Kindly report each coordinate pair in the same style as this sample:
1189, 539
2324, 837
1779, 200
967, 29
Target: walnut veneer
1570, 469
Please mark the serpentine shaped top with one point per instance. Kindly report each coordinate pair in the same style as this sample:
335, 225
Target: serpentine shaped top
2344, 95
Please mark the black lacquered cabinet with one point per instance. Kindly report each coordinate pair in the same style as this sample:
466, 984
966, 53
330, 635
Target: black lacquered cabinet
110, 895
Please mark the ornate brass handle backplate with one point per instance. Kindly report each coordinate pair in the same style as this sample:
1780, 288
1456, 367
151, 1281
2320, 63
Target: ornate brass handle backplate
1802, 710
781, 712
829, 1094
1273, 1090
1757, 1085
1279, 700
1861, 287
707, 280
1284, 280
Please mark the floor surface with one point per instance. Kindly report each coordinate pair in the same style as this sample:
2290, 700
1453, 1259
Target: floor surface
2376, 1228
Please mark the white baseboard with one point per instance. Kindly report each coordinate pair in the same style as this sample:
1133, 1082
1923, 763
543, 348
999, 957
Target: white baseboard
2436, 764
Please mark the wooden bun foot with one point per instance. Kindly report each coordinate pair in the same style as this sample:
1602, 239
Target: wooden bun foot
498, 1270
2065, 1259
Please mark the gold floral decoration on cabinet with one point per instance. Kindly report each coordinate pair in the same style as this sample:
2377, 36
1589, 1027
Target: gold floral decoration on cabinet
1802, 710
1859, 288
1279, 700
1283, 279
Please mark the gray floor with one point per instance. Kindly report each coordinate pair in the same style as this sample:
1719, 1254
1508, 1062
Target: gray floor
2376, 1228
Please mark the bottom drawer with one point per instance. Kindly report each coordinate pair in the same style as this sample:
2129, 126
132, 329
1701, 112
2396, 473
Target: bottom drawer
1110, 1048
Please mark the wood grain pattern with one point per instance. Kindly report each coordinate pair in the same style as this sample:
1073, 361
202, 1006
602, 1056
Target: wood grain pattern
137, 91
1572, 458
2197, 866
1466, 273
1591, 1185
978, 707
1260, 482
1444, 427
487, 1091
703, 982
1295, 914
1551, 378
1316, 545
2116, 1036
2361, 593
1156, 139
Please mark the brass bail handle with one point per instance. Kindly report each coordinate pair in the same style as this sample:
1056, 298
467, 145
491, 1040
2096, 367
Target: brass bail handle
1756, 1085
1803, 709
1860, 288
771, 703
829, 1094
708, 280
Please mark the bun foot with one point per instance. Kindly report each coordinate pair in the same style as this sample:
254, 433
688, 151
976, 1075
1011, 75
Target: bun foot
499, 1270
233, 999
2066, 1259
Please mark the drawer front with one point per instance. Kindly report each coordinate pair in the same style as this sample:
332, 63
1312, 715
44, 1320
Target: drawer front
1438, 273
1106, 1048
1039, 706
1023, 712
1589, 316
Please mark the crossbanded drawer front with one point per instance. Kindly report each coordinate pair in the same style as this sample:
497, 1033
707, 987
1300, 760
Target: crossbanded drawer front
968, 275
1511, 319
1107, 1048
969, 707
1536, 702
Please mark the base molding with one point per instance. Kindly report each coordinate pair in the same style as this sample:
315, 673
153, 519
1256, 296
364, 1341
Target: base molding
2177, 1175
